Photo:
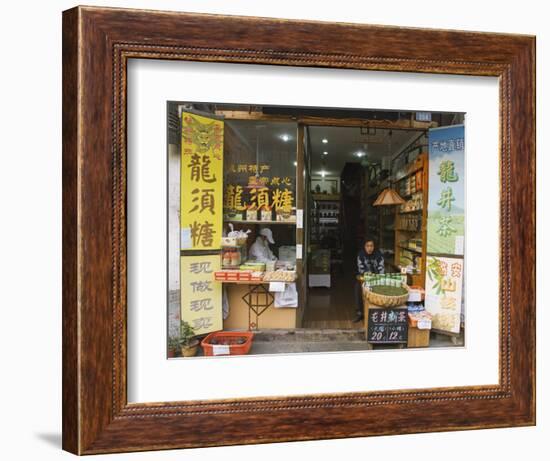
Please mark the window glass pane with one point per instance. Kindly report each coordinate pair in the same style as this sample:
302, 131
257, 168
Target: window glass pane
260, 178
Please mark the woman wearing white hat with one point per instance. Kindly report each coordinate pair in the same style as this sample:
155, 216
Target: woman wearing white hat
260, 250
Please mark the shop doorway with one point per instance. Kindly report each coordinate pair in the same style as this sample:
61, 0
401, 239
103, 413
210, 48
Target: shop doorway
269, 207
345, 169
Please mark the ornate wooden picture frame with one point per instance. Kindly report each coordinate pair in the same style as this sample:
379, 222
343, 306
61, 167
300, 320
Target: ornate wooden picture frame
97, 44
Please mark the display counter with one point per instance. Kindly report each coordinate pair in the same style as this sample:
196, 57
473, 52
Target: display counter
251, 303
243, 316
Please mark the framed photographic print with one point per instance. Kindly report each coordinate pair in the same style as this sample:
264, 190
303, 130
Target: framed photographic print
280, 230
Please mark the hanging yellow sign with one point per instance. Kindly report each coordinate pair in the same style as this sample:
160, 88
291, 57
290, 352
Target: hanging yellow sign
201, 297
201, 182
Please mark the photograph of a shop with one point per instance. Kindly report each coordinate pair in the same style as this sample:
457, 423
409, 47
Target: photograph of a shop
299, 229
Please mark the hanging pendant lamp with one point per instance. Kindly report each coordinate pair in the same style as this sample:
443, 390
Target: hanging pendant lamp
388, 196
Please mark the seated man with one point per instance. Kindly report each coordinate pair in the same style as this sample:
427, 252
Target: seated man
369, 261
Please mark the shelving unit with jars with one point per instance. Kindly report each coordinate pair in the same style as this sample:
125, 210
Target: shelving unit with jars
325, 238
411, 218
325, 218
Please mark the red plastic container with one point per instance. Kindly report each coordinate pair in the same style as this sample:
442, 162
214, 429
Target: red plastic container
224, 343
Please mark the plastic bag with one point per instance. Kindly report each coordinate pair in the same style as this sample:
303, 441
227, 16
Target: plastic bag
287, 298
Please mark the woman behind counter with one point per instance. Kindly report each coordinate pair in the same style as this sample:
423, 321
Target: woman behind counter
369, 261
259, 250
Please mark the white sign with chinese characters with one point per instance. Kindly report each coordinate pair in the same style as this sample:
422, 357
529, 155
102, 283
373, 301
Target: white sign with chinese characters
445, 233
444, 292
201, 297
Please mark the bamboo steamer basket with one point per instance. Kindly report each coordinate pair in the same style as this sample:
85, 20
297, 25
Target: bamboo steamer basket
370, 297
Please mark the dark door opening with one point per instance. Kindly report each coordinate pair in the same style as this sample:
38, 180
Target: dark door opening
340, 216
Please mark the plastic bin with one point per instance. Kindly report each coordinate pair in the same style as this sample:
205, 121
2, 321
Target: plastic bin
227, 343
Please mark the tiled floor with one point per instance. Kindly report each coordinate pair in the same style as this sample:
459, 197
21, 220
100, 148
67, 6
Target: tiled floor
332, 307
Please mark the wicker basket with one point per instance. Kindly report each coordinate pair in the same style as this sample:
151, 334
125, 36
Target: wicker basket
384, 300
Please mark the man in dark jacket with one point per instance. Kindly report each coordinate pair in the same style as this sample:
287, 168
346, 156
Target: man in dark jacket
369, 261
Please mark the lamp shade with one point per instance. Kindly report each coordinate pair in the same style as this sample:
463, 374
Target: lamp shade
388, 197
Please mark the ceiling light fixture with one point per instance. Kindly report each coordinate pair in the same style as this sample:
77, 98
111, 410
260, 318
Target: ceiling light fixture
325, 153
360, 154
285, 137
324, 140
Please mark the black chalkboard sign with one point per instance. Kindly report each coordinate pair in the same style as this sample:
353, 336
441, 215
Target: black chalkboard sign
388, 326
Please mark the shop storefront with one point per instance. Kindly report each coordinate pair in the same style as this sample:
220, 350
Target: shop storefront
329, 224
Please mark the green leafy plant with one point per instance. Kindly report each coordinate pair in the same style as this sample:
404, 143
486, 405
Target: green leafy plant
187, 334
173, 343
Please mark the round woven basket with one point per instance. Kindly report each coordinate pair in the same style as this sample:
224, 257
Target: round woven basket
384, 300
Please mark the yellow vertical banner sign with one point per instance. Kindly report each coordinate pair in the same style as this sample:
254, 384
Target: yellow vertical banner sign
201, 182
201, 209
201, 297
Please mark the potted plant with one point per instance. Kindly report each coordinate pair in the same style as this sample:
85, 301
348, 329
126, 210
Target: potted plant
173, 346
188, 343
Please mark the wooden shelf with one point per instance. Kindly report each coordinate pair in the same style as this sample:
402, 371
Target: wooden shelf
409, 195
414, 250
419, 165
410, 211
326, 197
410, 173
